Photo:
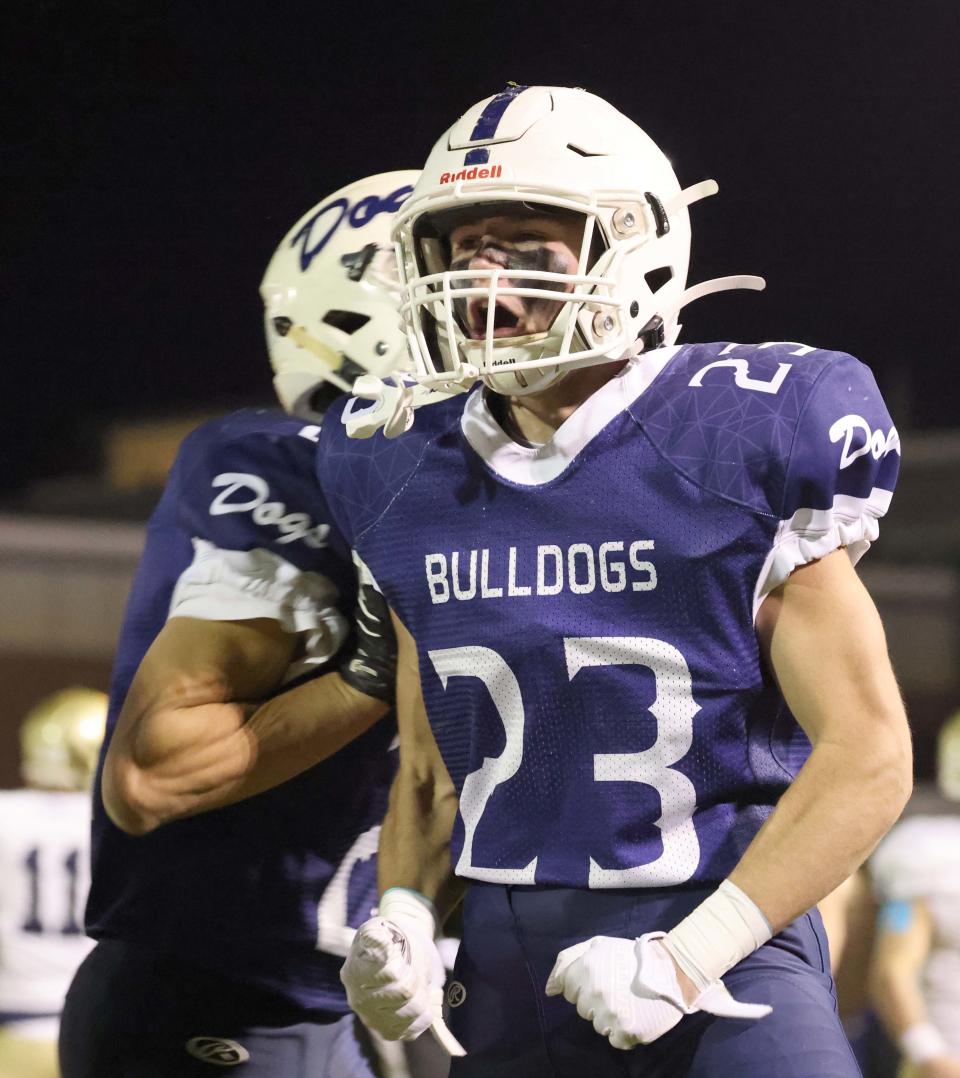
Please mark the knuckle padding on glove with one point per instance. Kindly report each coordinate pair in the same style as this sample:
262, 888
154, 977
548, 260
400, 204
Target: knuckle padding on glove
388, 980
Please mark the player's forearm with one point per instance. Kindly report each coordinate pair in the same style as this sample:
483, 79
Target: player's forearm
824, 642
415, 839
187, 760
901, 949
303, 727
846, 797
894, 984
896, 997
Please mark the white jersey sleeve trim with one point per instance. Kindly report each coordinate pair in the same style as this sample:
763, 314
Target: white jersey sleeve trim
811, 534
238, 585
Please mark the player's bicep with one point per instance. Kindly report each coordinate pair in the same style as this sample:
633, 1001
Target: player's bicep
823, 639
241, 659
192, 663
187, 700
234, 586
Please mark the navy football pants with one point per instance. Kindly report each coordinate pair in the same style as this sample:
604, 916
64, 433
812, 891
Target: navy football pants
510, 1029
131, 1013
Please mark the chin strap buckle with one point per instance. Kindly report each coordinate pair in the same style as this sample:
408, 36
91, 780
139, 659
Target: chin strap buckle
652, 335
394, 402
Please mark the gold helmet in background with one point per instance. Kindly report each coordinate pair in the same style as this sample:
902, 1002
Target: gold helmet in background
60, 739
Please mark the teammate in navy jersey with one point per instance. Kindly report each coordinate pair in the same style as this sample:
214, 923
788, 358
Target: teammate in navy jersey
646, 711
221, 933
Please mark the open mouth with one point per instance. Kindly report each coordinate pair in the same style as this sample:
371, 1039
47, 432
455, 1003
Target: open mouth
506, 317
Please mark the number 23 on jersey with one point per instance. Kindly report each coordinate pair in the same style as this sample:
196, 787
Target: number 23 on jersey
674, 709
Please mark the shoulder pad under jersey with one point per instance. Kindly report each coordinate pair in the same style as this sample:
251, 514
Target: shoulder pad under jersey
795, 433
777, 427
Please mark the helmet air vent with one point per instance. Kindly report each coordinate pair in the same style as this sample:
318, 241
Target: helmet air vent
346, 321
657, 278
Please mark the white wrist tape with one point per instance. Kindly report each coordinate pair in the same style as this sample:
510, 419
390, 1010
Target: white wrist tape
721, 931
922, 1042
404, 905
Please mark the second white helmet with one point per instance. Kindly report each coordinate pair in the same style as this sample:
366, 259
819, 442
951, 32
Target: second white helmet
331, 291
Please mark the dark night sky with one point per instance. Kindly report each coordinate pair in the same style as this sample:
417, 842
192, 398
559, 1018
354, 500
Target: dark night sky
157, 152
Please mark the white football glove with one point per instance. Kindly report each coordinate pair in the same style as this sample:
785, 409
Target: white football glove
394, 974
629, 990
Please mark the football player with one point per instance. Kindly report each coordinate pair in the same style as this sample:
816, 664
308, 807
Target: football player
633, 646
44, 857
914, 979
221, 933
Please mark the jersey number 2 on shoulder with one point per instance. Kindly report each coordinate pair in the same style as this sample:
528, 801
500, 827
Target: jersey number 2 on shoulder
674, 709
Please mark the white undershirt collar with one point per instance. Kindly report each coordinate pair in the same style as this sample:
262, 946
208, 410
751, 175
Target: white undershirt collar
534, 465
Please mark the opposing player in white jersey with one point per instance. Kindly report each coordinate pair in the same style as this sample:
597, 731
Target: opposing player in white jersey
915, 980
44, 875
627, 566
221, 917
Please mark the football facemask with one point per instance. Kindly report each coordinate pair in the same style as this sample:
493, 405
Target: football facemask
500, 276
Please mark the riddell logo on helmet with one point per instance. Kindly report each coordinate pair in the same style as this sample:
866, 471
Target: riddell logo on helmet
475, 173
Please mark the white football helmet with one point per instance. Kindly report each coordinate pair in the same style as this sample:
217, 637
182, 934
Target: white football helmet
331, 292
552, 150
60, 739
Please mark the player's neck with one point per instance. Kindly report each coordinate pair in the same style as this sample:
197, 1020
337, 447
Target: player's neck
536, 418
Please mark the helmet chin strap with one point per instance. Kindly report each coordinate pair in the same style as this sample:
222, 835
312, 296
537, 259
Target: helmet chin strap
522, 383
395, 400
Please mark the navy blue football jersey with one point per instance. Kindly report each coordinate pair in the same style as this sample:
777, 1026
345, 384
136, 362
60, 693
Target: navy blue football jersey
265, 890
584, 610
